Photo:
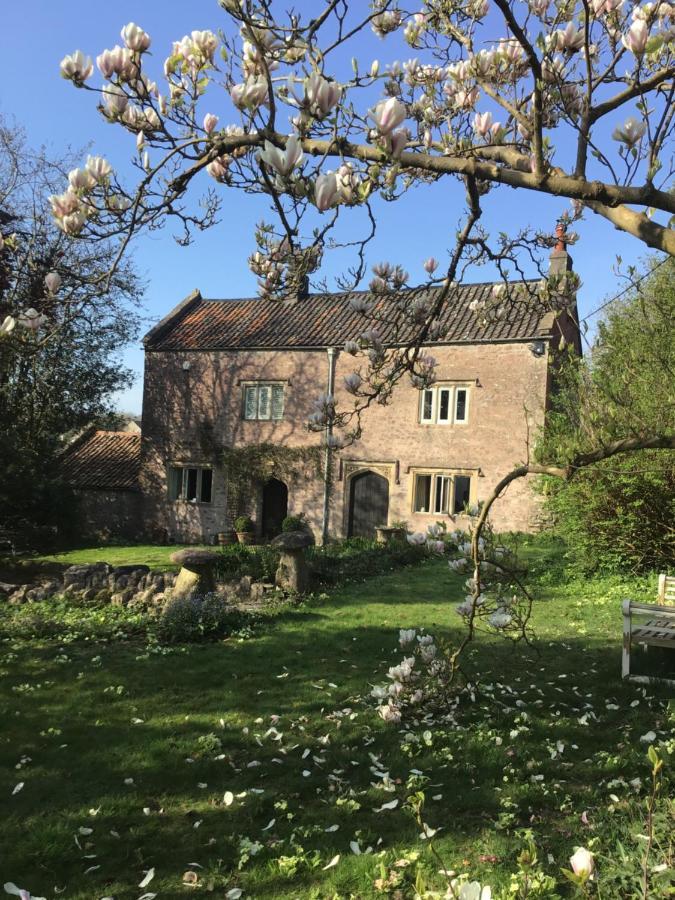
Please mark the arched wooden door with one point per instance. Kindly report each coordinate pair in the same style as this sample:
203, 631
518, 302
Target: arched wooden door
368, 504
274, 507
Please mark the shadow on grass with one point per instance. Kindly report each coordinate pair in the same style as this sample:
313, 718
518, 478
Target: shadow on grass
87, 726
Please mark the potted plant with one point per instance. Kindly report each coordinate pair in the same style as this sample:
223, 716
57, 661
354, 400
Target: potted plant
245, 529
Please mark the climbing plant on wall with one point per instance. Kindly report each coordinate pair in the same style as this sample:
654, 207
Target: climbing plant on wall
247, 467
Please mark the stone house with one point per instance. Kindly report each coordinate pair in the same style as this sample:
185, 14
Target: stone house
237, 373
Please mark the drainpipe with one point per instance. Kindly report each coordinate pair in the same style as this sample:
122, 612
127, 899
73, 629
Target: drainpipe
327, 460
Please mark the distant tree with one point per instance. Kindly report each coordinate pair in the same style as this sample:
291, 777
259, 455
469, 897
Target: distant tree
620, 513
59, 348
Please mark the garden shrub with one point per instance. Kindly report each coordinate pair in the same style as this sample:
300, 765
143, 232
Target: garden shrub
294, 523
359, 558
619, 515
198, 618
334, 564
237, 560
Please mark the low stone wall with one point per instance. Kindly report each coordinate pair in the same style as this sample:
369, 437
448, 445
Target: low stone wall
133, 586
97, 583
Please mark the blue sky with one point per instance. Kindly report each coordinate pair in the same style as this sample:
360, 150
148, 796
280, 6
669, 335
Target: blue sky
36, 34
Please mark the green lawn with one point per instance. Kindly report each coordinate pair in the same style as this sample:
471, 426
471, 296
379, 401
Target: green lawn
133, 759
143, 554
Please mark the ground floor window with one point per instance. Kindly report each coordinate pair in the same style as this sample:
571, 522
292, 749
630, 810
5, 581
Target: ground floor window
441, 493
193, 483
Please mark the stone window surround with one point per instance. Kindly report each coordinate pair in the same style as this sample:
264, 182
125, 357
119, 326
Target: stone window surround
189, 464
436, 388
414, 471
258, 383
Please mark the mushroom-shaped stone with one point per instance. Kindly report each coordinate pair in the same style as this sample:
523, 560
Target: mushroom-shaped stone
195, 578
293, 572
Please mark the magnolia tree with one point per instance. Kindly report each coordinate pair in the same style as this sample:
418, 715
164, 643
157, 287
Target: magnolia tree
570, 99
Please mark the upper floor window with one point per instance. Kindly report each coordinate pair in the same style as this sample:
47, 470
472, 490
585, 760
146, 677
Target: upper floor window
264, 400
444, 404
190, 483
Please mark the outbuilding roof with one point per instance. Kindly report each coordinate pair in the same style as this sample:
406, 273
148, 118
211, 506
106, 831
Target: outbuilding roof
325, 320
103, 460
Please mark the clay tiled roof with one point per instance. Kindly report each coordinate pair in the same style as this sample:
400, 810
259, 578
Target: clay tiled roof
323, 320
103, 460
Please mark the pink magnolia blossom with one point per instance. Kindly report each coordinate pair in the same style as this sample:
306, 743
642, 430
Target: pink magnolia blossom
135, 38
115, 101
250, 94
539, 7
482, 123
205, 42
283, 160
31, 319
210, 122
430, 265
630, 132
219, 168
81, 180
74, 223
636, 37
52, 282
605, 7
398, 140
326, 191
64, 204
571, 39
352, 382
321, 95
389, 114
76, 67
118, 61
99, 167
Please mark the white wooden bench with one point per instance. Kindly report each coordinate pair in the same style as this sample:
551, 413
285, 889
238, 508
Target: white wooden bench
650, 624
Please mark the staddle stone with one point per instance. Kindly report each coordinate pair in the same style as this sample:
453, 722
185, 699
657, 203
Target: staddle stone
293, 572
195, 578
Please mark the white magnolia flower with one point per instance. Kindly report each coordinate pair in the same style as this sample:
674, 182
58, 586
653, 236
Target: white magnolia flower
417, 538
630, 132
389, 114
76, 67
283, 160
8, 325
98, 167
406, 636
52, 282
135, 38
582, 862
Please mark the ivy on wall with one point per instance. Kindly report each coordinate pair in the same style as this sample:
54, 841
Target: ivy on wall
247, 467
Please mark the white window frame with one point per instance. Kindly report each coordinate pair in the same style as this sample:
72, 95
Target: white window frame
437, 476
467, 394
430, 419
184, 469
436, 390
263, 388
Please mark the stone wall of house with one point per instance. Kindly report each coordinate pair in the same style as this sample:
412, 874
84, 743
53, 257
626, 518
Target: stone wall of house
193, 407
105, 514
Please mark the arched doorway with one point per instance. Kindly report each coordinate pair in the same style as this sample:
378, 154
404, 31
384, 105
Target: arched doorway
274, 507
368, 504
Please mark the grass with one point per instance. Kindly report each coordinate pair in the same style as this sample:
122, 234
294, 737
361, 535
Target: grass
211, 784
157, 557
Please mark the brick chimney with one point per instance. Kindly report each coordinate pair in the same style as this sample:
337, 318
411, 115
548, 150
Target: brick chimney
560, 259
